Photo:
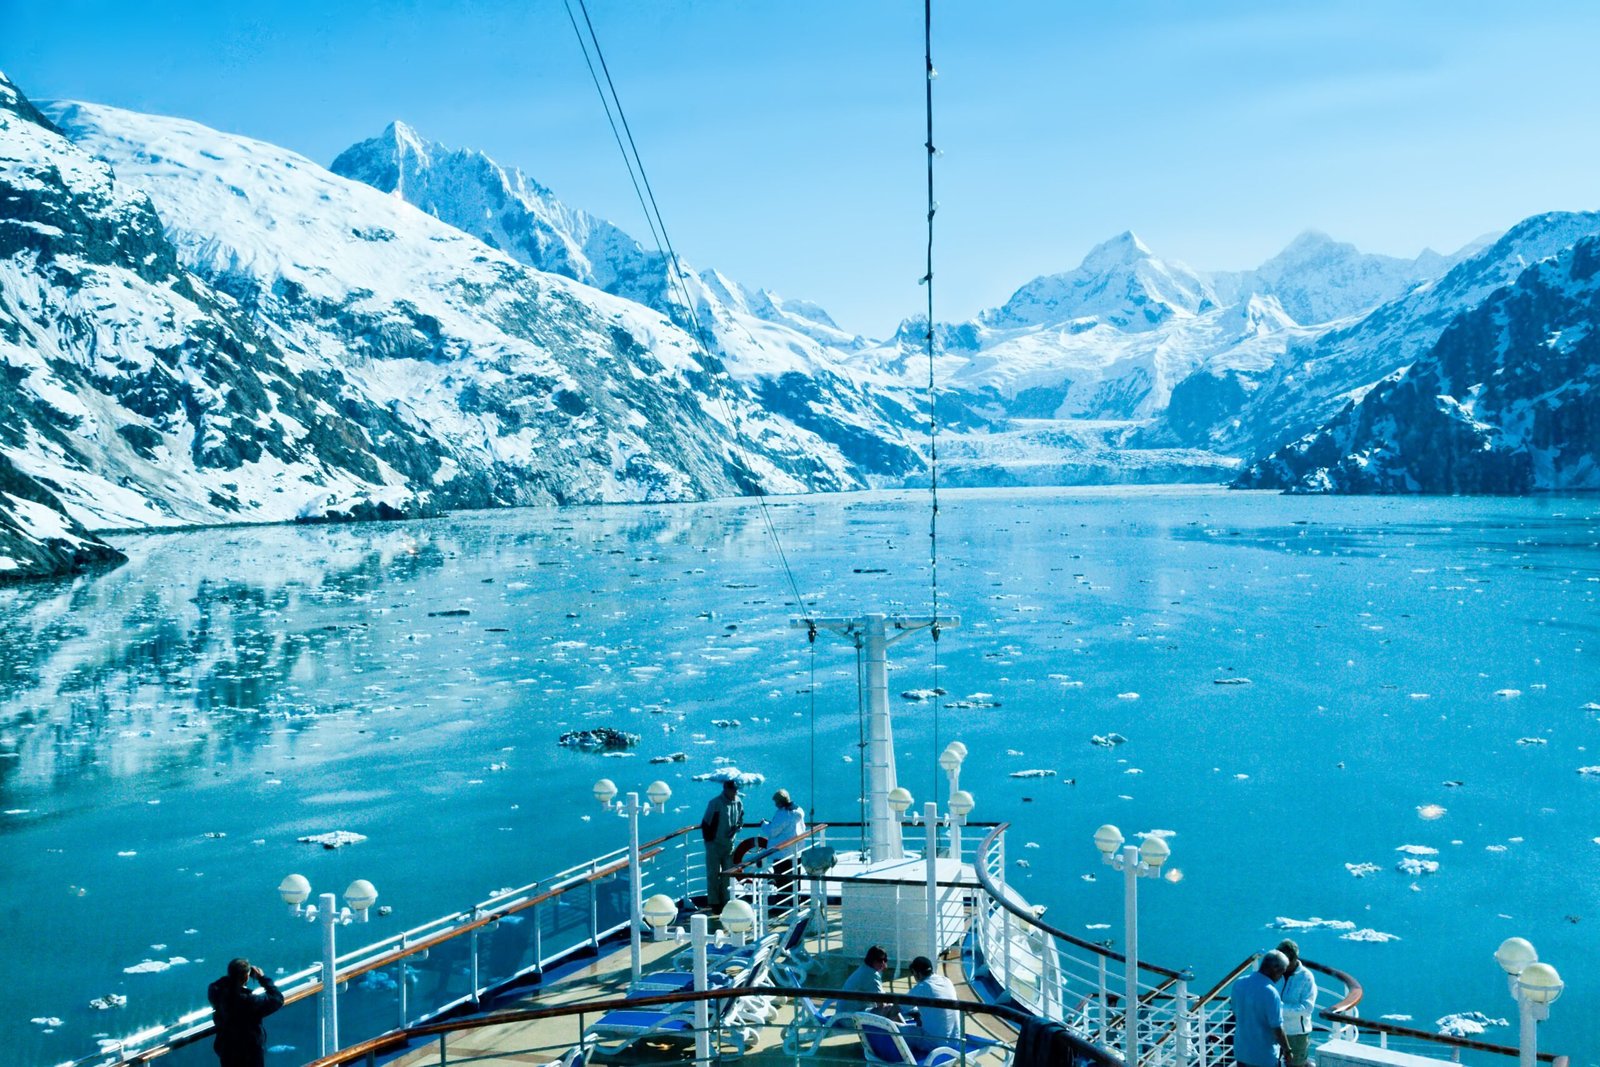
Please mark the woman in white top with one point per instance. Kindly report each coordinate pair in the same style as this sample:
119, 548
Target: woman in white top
787, 822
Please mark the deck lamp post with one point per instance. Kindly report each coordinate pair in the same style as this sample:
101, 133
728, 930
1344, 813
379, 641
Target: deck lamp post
1534, 986
1135, 862
658, 793
359, 898
739, 919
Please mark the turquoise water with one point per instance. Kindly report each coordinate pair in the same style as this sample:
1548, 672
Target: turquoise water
261, 684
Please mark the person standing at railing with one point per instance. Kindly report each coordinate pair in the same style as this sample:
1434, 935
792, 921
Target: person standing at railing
237, 1013
1299, 992
1258, 1037
720, 827
787, 823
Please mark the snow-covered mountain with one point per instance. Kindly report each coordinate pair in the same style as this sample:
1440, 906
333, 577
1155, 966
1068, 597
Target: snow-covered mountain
1507, 400
527, 386
790, 356
1315, 377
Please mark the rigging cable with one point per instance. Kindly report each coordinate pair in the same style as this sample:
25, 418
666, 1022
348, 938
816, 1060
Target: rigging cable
675, 279
933, 398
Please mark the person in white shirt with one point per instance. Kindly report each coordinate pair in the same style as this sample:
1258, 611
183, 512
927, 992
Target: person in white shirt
933, 1022
788, 822
1298, 988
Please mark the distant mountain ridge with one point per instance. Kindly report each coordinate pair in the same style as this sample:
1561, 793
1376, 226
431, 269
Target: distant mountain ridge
197, 327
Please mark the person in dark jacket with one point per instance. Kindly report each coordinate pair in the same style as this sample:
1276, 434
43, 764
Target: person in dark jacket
237, 1013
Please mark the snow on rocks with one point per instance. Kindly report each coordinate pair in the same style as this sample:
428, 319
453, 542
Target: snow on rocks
333, 839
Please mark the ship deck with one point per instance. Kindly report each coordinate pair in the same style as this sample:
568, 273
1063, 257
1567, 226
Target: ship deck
606, 977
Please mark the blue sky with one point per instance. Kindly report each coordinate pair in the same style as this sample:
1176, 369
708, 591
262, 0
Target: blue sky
784, 139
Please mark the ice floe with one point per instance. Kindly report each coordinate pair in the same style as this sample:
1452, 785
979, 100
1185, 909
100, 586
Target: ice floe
1418, 850
1361, 870
1417, 867
1283, 922
1467, 1024
109, 1001
1368, 934
1430, 811
1111, 740
155, 966
746, 779
333, 839
1034, 773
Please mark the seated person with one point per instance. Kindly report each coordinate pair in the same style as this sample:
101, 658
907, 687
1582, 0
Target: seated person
937, 1023
868, 978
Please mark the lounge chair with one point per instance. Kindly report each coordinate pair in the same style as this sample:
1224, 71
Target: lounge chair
811, 1025
886, 1041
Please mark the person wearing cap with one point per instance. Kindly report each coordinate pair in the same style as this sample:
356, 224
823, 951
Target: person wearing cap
1258, 1033
1298, 990
788, 822
937, 1023
720, 827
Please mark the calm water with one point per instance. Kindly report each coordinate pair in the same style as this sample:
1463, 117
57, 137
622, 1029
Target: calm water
169, 729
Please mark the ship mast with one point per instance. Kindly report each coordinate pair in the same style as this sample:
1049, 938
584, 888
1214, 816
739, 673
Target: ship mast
872, 634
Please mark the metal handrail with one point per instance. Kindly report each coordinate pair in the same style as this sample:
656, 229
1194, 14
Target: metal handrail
397, 1039
1352, 988
999, 896
196, 1025
1378, 1026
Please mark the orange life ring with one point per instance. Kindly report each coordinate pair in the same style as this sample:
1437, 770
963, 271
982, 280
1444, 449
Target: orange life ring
745, 847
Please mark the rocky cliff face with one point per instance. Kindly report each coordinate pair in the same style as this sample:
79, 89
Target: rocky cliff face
37, 538
1507, 400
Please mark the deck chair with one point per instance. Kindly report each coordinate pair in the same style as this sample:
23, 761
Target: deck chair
812, 1023
886, 1041
660, 982
793, 961
620, 1031
728, 958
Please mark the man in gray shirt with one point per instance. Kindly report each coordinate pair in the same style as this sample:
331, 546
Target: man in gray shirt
720, 828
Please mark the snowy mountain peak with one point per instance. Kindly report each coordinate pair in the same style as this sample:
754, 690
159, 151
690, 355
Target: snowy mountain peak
1120, 282
1122, 250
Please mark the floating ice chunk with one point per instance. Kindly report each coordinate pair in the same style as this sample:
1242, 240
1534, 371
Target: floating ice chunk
746, 779
1283, 922
1396, 1018
1361, 870
1241, 777
1133, 770
1591, 772
1111, 740
1230, 681
1420, 696
922, 694
46, 1020
127, 853
1532, 741
1494, 848
1418, 850
1030, 844
1034, 773
155, 966
109, 1001
1128, 696
1013, 752
1368, 934
333, 839
1097, 926
1467, 1024
1416, 868
1508, 694
1430, 811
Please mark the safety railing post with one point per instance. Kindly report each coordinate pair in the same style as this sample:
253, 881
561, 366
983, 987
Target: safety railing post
1204, 1037
594, 912
477, 986
405, 987
1005, 914
538, 938
1104, 997
1182, 1022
